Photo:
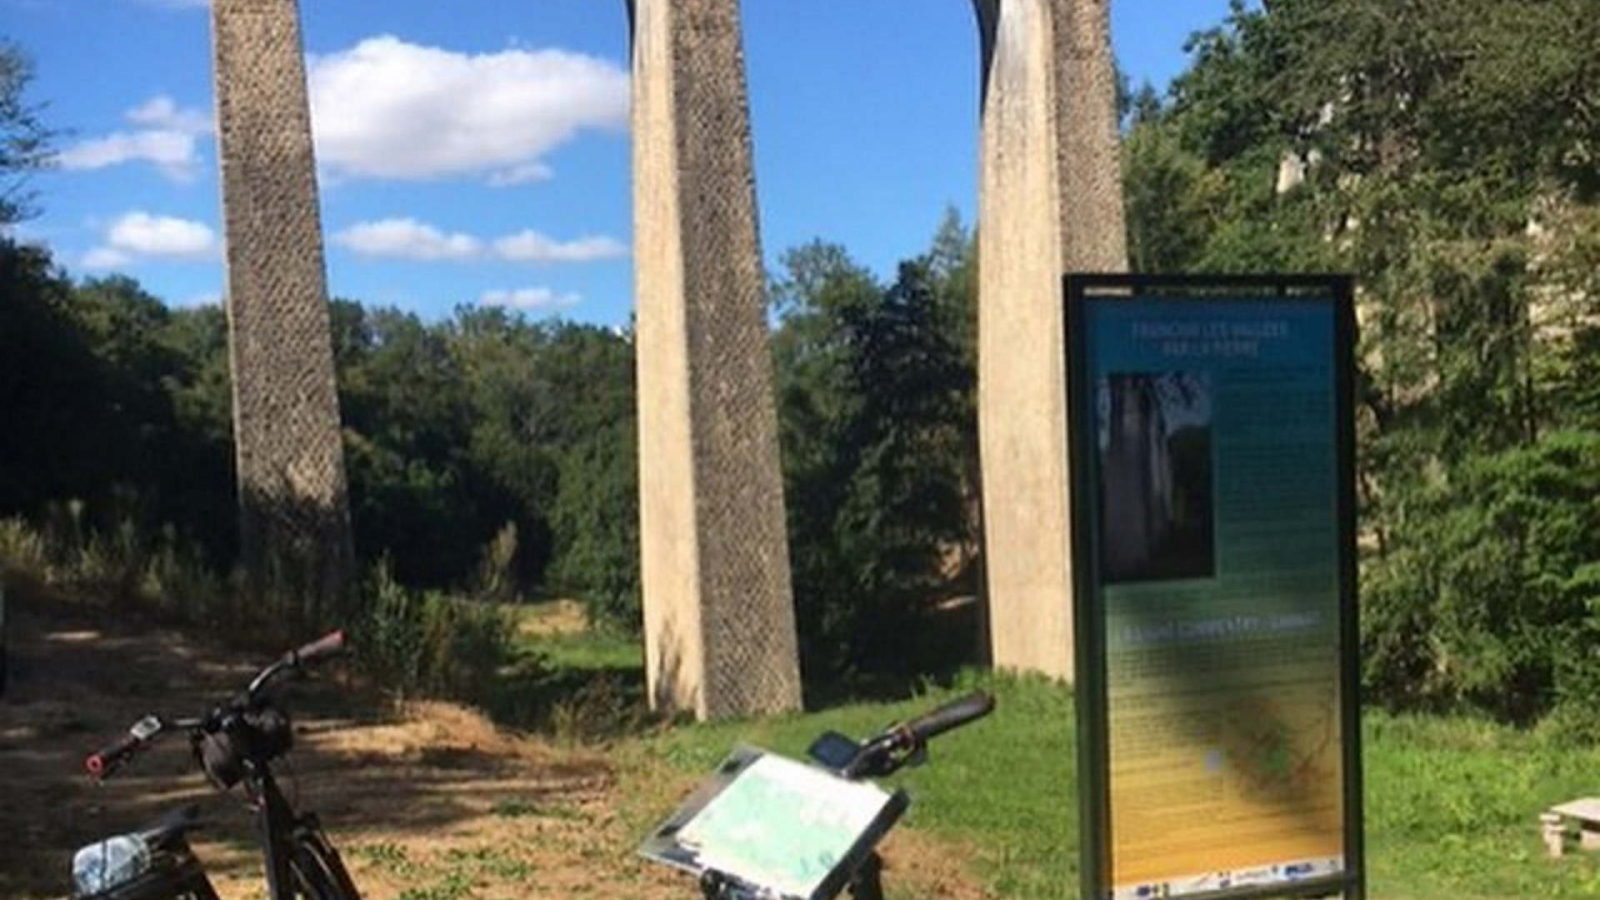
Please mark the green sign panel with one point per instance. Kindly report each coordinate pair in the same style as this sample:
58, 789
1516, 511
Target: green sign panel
1215, 590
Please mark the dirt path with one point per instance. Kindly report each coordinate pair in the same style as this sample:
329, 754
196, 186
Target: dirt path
428, 802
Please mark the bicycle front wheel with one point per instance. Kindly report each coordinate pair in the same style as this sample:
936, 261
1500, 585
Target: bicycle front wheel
319, 874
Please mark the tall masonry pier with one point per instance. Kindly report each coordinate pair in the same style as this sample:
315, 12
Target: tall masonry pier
1049, 202
294, 515
718, 607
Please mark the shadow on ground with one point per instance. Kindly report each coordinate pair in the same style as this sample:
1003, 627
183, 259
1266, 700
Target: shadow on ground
570, 684
431, 774
426, 801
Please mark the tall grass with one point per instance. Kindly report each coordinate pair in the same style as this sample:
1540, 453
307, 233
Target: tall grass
415, 643
120, 566
425, 643
496, 577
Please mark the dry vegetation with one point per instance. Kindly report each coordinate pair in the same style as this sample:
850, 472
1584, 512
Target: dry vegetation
427, 801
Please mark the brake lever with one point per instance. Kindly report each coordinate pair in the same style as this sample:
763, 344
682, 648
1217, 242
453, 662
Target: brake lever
109, 759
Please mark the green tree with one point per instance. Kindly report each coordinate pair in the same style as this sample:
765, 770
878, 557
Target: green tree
198, 462
25, 141
48, 377
407, 420
874, 396
595, 519
151, 362
1444, 154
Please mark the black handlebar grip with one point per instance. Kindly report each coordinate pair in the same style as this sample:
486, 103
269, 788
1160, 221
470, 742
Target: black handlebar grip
112, 755
951, 715
329, 644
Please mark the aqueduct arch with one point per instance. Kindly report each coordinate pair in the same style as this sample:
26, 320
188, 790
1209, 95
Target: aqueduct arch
718, 602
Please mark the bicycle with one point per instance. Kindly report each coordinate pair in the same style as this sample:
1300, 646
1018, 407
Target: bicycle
234, 743
899, 745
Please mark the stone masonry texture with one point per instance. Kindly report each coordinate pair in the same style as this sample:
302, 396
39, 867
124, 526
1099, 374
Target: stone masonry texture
718, 606
1049, 203
294, 517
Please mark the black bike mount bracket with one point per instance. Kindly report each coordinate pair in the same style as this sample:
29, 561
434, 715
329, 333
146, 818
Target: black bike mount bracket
715, 885
917, 756
867, 882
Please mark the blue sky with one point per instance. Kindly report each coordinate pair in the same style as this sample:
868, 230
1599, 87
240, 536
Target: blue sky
477, 152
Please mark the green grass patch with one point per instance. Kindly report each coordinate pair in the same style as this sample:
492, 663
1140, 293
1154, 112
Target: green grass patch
1003, 786
453, 886
589, 651
1452, 804
389, 856
558, 632
487, 861
572, 683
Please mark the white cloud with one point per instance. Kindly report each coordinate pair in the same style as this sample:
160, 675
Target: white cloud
531, 246
140, 235
386, 108
169, 141
529, 298
147, 235
407, 239
105, 258
163, 112
171, 152
535, 171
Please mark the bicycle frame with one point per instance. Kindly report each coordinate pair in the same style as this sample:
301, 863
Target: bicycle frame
284, 833
276, 821
235, 745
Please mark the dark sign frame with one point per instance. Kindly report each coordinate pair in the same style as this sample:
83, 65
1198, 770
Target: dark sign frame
1089, 615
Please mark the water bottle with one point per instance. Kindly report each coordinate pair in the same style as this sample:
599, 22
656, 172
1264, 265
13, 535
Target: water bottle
113, 861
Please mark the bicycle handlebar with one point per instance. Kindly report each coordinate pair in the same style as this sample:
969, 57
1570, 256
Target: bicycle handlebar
330, 644
905, 742
112, 756
954, 714
106, 760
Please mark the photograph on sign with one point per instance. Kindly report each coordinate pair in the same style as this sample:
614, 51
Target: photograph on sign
1154, 435
1218, 592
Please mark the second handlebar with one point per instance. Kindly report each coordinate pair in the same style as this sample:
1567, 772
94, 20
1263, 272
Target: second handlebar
951, 715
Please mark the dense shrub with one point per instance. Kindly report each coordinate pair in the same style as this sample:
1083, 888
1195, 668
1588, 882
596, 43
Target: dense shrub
1491, 599
425, 643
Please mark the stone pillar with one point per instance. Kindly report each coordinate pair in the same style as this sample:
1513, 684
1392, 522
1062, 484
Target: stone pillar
718, 608
294, 515
1050, 202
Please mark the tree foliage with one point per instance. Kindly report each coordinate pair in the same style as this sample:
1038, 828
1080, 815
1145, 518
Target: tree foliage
1443, 153
875, 392
453, 431
25, 141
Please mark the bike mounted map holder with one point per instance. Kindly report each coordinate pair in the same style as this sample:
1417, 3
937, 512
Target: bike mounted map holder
766, 827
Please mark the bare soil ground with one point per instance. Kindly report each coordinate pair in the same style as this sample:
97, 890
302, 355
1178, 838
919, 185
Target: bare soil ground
426, 802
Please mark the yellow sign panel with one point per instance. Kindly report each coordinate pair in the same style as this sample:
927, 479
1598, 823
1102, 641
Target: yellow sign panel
1218, 788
